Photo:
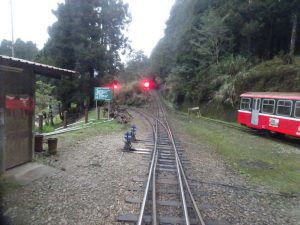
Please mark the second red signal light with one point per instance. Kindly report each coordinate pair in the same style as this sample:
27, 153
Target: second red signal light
146, 84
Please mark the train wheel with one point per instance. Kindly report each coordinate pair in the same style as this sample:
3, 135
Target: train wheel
276, 134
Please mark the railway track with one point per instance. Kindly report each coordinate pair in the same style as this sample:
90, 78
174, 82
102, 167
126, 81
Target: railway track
167, 196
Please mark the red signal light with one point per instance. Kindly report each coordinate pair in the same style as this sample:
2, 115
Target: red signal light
146, 84
115, 86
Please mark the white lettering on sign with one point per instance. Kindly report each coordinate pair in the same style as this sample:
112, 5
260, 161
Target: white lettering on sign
273, 122
103, 94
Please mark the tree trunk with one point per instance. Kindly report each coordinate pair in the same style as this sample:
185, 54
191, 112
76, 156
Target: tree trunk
269, 42
294, 33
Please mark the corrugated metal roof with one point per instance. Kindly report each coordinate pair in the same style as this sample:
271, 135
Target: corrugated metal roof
38, 68
276, 95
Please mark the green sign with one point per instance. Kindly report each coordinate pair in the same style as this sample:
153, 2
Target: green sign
102, 93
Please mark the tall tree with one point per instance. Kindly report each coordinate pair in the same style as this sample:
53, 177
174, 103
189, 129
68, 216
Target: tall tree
5, 48
137, 66
212, 36
87, 37
294, 17
23, 50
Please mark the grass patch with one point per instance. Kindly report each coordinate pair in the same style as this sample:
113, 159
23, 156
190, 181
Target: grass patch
58, 122
259, 159
97, 127
7, 186
48, 128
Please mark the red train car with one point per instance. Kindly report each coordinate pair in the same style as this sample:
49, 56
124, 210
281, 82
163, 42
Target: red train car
277, 112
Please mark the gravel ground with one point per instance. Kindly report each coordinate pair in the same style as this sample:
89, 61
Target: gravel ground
89, 187
92, 183
222, 201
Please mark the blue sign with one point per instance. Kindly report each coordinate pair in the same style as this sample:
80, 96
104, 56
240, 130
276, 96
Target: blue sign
103, 93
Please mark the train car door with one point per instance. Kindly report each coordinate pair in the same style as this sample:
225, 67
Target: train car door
255, 111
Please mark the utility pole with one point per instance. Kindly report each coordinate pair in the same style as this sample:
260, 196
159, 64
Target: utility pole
12, 30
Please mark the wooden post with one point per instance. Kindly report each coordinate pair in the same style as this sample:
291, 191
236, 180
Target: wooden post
98, 113
108, 110
86, 115
197, 109
65, 119
41, 123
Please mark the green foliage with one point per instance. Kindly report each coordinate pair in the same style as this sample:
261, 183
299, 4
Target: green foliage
132, 95
211, 37
23, 50
44, 96
210, 48
273, 75
137, 66
7, 186
5, 48
87, 37
46, 129
225, 76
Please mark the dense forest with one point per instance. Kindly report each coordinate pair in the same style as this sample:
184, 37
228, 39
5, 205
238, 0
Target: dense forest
212, 50
215, 49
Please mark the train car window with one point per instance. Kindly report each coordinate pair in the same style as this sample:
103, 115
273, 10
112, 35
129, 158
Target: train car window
297, 109
256, 104
245, 103
284, 107
268, 106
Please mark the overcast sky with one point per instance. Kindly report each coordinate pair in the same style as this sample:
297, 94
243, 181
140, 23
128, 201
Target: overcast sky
32, 17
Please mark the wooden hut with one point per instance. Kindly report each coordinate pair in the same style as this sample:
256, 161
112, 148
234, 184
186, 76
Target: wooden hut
17, 103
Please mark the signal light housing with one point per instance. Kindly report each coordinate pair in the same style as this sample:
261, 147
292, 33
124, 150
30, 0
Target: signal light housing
115, 84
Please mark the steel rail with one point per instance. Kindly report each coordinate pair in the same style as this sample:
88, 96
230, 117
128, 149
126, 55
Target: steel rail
186, 214
182, 194
180, 171
177, 160
154, 209
142, 210
200, 218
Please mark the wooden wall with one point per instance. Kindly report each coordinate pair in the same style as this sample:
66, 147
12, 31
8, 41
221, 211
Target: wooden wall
16, 97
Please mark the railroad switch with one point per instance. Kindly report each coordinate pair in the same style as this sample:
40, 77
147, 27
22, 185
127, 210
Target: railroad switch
127, 137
